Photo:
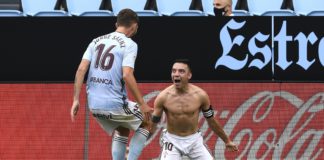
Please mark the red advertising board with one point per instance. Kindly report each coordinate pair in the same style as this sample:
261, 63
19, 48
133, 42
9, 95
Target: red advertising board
266, 120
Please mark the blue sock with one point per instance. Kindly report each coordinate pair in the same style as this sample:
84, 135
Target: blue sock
118, 148
137, 143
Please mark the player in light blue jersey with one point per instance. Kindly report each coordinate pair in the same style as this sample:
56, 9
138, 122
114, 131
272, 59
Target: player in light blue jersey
110, 60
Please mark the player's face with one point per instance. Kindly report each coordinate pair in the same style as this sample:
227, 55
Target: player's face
180, 75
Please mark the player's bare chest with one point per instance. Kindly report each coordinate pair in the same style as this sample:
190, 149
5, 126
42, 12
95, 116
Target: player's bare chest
183, 104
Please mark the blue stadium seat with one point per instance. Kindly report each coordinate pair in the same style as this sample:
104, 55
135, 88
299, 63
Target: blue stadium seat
11, 13
309, 7
177, 8
86, 8
268, 8
136, 5
208, 7
238, 12
316, 13
41, 8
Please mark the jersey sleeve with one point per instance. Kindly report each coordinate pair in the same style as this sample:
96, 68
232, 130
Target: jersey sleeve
130, 55
88, 53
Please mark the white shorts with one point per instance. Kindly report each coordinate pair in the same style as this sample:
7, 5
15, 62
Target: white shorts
130, 117
174, 147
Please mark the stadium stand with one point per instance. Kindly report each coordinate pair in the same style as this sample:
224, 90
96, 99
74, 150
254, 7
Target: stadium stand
10, 5
138, 6
11, 13
10, 8
309, 7
208, 7
240, 8
177, 8
41, 8
268, 8
87, 8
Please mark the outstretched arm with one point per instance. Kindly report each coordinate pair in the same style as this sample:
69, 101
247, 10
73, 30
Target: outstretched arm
214, 124
79, 77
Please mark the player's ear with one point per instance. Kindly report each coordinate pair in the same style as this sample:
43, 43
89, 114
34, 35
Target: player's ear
116, 25
134, 26
190, 75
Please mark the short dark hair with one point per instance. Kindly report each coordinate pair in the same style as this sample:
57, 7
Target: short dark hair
184, 61
126, 17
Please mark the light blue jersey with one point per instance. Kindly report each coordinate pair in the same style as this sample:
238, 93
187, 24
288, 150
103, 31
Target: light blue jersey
105, 86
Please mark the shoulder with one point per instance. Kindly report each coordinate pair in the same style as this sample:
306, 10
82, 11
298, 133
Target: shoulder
99, 40
129, 41
132, 43
166, 91
105, 36
163, 95
202, 96
199, 92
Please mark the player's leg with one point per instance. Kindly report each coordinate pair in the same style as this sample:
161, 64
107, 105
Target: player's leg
120, 138
200, 150
140, 136
119, 143
168, 150
137, 143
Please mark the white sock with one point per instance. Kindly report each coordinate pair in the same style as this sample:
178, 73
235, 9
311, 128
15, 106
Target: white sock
118, 148
137, 143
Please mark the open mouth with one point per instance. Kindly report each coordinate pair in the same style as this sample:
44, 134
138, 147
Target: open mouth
177, 80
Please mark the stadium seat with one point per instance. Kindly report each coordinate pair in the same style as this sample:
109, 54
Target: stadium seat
10, 8
11, 13
177, 8
41, 8
86, 8
10, 5
240, 11
309, 7
316, 13
208, 7
268, 8
136, 5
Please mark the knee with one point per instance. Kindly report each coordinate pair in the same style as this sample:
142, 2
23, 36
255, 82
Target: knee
122, 131
145, 125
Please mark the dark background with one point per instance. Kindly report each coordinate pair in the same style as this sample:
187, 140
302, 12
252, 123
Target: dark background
48, 49
295, 26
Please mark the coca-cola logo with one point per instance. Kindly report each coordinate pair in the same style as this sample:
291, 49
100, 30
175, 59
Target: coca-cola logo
268, 125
